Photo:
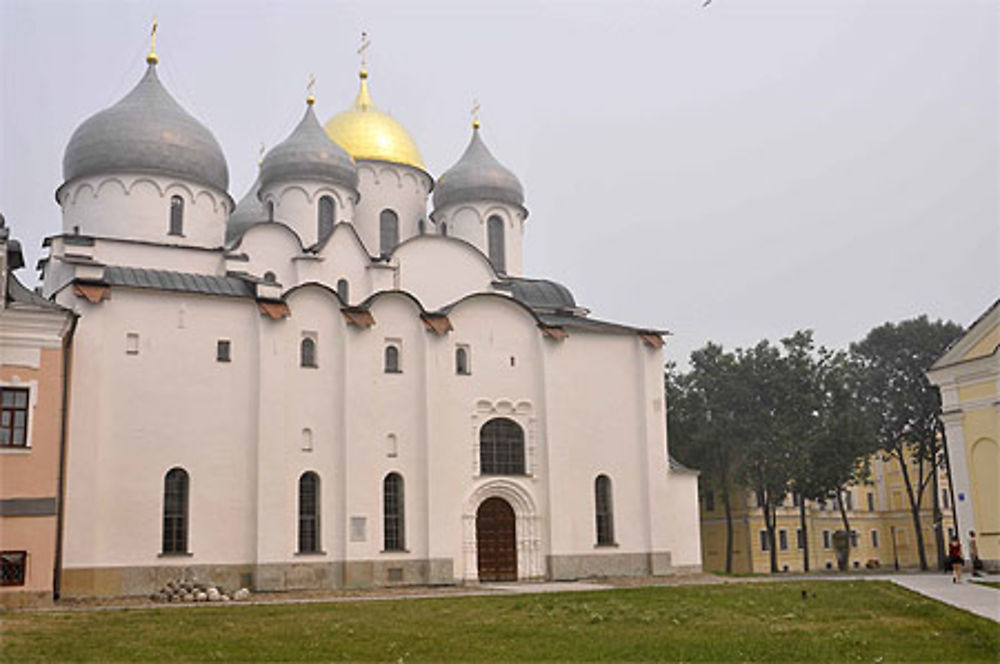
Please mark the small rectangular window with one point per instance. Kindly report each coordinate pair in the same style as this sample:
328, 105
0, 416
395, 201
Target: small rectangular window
826, 539
848, 501
13, 416
874, 539
132, 343
222, 349
764, 545
945, 503
854, 539
800, 539
709, 501
871, 502
783, 540
14, 566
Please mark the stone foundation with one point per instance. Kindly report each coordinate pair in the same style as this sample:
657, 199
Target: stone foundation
25, 599
581, 566
266, 577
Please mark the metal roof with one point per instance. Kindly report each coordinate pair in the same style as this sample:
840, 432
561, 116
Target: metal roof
247, 213
477, 176
539, 294
146, 132
309, 154
18, 293
181, 282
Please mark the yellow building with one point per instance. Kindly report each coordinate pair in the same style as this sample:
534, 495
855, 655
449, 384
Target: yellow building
968, 375
878, 513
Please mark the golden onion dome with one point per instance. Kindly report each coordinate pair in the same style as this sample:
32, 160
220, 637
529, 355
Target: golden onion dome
368, 133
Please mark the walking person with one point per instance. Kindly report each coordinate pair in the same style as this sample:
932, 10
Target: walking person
977, 564
955, 558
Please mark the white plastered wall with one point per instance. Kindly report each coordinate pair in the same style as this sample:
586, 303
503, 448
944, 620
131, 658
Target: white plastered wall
467, 221
137, 207
297, 205
399, 188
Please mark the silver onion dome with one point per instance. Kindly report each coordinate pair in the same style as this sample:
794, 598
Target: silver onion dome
477, 176
146, 132
247, 212
309, 154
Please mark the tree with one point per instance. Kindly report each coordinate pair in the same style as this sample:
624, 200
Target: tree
701, 423
905, 405
767, 428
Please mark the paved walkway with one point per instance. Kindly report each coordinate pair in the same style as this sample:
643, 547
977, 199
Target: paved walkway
974, 598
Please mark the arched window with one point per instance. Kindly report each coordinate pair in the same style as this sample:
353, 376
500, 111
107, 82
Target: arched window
270, 210
392, 359
388, 224
394, 530
494, 230
444, 229
421, 226
309, 513
176, 215
343, 290
325, 214
462, 361
501, 447
604, 510
175, 511
307, 352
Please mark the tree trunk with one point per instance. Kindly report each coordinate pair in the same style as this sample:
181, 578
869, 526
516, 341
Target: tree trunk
914, 507
729, 529
847, 524
938, 525
770, 517
805, 534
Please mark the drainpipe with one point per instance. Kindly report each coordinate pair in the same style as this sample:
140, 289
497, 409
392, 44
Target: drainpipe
60, 489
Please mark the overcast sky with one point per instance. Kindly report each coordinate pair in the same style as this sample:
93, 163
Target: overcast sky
730, 172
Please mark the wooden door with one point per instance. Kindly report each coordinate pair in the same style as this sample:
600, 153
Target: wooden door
496, 541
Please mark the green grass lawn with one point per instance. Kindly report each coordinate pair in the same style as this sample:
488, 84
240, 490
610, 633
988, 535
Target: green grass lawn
991, 584
861, 620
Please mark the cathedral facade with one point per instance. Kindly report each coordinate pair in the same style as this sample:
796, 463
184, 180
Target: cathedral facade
323, 385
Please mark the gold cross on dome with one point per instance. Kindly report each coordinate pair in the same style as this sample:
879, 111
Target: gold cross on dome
365, 43
260, 154
475, 114
152, 58
311, 89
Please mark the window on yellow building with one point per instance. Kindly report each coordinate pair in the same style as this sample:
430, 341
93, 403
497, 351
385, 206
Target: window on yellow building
826, 539
854, 539
945, 499
783, 540
800, 539
871, 501
874, 539
709, 501
763, 541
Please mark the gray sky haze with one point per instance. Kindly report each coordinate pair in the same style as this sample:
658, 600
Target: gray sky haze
729, 172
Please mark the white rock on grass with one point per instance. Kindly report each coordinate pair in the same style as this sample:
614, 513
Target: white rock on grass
241, 594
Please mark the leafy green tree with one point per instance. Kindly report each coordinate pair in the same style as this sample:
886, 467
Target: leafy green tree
702, 422
905, 405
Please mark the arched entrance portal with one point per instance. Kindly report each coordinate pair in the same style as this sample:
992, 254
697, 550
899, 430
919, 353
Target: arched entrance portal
496, 541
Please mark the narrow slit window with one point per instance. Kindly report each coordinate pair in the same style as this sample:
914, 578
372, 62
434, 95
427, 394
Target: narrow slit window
495, 240
392, 359
325, 213
309, 513
307, 352
343, 290
394, 534
175, 511
462, 367
388, 231
604, 511
176, 215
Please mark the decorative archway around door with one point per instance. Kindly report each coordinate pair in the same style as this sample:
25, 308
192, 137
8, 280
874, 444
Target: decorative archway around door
496, 541
527, 528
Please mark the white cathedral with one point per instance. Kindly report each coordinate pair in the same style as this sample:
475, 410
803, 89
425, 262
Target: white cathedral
325, 386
